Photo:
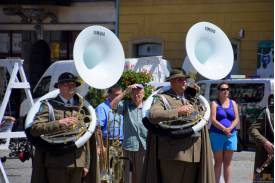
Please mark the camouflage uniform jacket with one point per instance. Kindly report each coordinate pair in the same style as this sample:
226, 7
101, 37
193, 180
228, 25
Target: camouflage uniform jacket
183, 149
260, 131
43, 125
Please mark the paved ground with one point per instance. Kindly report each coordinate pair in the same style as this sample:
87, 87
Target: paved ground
243, 163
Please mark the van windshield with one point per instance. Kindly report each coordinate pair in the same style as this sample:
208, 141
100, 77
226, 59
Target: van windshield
42, 87
242, 92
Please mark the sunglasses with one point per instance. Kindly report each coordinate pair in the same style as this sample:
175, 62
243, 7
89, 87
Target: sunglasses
224, 89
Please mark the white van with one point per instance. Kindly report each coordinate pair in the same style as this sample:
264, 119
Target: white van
252, 95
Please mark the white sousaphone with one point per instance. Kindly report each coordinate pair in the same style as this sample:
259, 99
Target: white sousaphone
99, 60
210, 53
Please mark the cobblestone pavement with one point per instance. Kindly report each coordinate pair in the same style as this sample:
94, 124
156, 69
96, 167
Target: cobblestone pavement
243, 163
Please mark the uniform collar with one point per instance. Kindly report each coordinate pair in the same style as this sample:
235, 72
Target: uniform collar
173, 94
66, 101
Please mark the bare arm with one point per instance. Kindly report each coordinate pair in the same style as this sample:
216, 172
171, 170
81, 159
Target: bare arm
116, 100
237, 119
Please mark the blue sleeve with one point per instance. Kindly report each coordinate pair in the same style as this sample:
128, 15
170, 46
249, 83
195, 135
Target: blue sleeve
101, 116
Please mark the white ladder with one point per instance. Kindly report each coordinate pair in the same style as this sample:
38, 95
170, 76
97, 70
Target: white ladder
13, 66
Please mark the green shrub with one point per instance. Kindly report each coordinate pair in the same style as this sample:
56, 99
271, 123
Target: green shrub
96, 96
130, 77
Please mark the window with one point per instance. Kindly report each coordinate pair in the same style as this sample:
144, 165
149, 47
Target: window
61, 43
42, 87
146, 47
11, 44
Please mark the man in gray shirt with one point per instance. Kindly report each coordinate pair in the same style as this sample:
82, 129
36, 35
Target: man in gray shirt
134, 143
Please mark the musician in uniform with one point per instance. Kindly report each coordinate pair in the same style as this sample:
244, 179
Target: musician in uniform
176, 159
262, 132
55, 115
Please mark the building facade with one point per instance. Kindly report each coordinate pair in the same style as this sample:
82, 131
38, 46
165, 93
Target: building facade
41, 32
24, 25
152, 27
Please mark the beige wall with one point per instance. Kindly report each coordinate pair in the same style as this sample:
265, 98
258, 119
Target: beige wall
169, 20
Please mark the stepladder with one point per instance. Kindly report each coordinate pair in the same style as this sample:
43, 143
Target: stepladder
17, 80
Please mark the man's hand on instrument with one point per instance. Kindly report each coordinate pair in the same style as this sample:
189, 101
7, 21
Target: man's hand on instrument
85, 171
185, 109
269, 147
100, 149
68, 122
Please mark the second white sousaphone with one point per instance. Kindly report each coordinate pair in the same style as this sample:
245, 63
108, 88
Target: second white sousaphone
209, 51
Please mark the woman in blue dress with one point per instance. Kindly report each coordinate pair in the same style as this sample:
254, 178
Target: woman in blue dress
223, 133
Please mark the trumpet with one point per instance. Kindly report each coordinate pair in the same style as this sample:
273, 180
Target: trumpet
114, 148
103, 164
110, 157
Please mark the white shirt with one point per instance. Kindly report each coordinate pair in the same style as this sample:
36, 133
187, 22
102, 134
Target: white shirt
66, 101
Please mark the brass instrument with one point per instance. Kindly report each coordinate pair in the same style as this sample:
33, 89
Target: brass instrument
187, 120
184, 126
73, 133
114, 148
103, 165
110, 157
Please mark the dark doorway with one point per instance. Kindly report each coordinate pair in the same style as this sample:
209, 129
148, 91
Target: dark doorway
40, 60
